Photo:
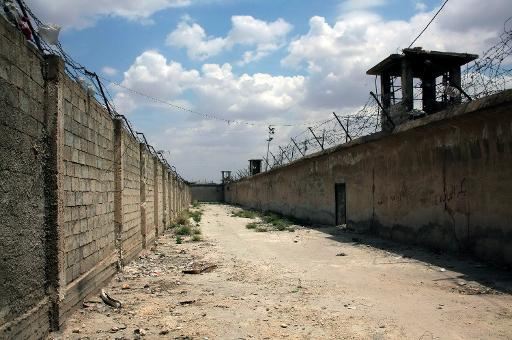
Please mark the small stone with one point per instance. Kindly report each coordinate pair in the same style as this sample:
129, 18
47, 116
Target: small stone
76, 330
125, 286
382, 326
122, 326
114, 330
139, 331
283, 325
164, 332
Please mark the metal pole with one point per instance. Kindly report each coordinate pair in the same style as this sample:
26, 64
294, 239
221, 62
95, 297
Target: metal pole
347, 136
386, 113
302, 153
310, 129
274, 157
270, 132
343, 127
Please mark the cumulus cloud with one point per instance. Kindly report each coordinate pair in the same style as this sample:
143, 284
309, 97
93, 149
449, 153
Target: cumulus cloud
84, 13
109, 71
351, 5
192, 37
215, 88
264, 37
332, 58
336, 56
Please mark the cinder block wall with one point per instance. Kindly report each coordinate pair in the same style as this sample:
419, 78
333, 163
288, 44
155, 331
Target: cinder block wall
80, 195
149, 203
24, 155
88, 181
131, 228
444, 181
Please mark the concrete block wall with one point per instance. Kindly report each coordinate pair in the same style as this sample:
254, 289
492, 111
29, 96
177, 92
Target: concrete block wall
131, 225
443, 181
24, 305
88, 181
149, 203
80, 194
159, 211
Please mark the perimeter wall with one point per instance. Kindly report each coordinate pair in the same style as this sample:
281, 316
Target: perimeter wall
81, 196
444, 181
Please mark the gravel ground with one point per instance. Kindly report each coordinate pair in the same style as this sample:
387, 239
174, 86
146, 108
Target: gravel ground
313, 283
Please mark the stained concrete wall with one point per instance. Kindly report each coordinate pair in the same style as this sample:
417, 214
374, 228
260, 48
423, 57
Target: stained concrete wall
444, 181
24, 305
80, 194
207, 192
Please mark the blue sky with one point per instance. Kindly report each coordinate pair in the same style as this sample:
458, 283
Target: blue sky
279, 62
118, 41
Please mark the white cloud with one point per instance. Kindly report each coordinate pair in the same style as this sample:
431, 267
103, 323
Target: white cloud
420, 6
193, 37
109, 71
351, 5
215, 88
337, 56
334, 57
264, 37
84, 13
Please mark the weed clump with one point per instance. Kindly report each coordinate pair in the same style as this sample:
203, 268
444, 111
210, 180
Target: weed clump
179, 240
268, 221
183, 218
184, 230
196, 215
245, 214
196, 238
252, 225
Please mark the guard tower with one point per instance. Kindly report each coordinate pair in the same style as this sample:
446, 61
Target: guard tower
226, 176
418, 82
254, 166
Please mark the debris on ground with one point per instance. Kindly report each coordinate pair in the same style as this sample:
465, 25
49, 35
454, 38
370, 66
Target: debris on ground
341, 254
187, 302
109, 300
199, 269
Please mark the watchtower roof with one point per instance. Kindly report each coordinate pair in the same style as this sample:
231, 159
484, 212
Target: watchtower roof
439, 62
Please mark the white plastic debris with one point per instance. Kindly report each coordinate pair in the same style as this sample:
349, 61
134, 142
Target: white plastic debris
50, 33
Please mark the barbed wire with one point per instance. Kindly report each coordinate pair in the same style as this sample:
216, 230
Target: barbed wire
89, 81
490, 74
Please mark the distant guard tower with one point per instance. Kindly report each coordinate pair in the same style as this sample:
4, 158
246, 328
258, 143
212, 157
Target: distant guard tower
254, 166
418, 82
226, 176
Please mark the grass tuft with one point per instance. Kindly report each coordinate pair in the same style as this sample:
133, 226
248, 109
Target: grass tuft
184, 230
245, 214
252, 225
179, 240
196, 238
196, 215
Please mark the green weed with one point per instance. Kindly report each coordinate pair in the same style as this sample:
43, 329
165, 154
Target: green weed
184, 230
245, 214
252, 225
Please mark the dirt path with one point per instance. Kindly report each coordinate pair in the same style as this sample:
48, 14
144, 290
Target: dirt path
292, 285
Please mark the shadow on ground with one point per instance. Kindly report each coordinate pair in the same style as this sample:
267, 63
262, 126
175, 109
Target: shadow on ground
469, 275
